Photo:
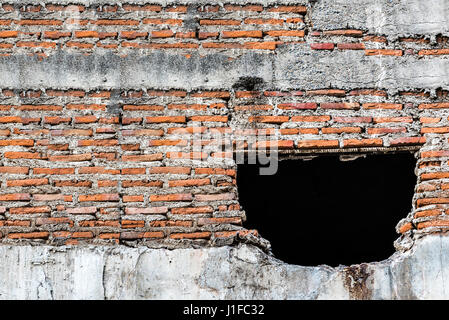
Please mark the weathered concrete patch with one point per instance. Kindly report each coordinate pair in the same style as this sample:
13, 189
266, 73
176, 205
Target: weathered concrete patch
293, 66
244, 272
394, 18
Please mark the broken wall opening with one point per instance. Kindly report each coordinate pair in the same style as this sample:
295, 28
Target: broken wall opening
328, 211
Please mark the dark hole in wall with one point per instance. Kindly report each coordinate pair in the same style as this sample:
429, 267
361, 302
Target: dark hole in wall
327, 211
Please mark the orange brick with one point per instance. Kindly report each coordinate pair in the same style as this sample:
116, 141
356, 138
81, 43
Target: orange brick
351, 46
29, 235
166, 119
310, 118
30, 210
406, 227
310, 144
430, 201
52, 197
153, 210
77, 184
269, 119
17, 142
407, 141
143, 158
341, 130
363, 143
433, 223
133, 34
133, 171
26, 182
98, 170
99, 197
285, 33
433, 52
264, 21
162, 34
209, 118
340, 106
383, 52
14, 170
220, 22
8, 34
15, 197
194, 235
169, 170
116, 22
172, 22
72, 158
141, 183
55, 34
171, 197
289, 9
392, 106
21, 155
242, 34
393, 119
169, 223
133, 198
188, 183
344, 32
42, 22
435, 175
440, 105
225, 220
428, 213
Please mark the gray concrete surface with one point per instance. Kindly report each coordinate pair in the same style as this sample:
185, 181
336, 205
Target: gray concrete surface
243, 272
293, 66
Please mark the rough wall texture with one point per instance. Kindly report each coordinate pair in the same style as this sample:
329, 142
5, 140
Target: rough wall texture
109, 111
240, 272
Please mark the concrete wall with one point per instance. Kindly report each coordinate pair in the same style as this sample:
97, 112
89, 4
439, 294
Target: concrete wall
242, 272
97, 104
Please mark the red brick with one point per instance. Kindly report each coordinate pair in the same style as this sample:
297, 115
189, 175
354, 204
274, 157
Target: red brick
133, 198
14, 170
143, 158
188, 182
26, 182
311, 144
297, 106
193, 235
231, 220
99, 197
29, 235
363, 143
30, 210
322, 46
171, 197
81, 210
383, 52
242, 34
166, 119
268, 119
72, 158
152, 210
214, 197
289, 9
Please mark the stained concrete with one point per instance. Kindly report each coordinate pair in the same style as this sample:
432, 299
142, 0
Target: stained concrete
293, 66
242, 272
393, 18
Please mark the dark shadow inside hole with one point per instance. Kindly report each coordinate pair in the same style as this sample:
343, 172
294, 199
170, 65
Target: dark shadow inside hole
327, 211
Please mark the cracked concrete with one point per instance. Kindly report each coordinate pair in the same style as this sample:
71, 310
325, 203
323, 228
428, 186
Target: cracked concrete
393, 18
241, 272
293, 66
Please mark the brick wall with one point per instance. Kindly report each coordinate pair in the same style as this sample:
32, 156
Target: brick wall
109, 164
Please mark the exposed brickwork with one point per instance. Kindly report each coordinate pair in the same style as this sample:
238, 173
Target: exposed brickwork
110, 165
